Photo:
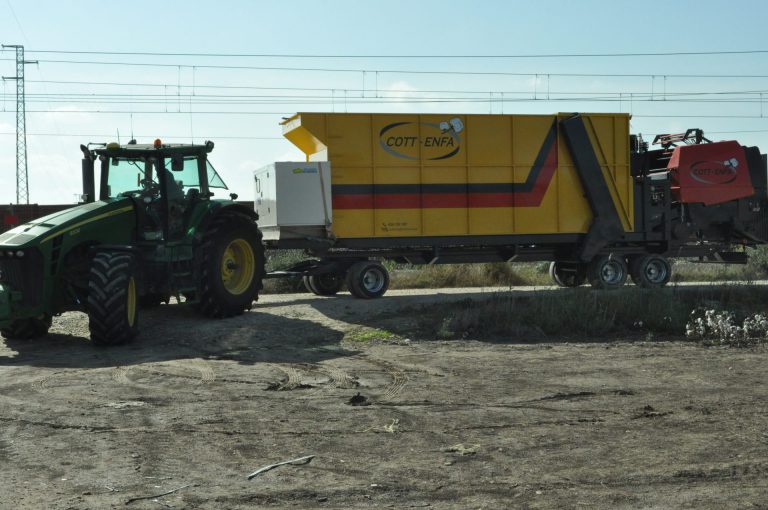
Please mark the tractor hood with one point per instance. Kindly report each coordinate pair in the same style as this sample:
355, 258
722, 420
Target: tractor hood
70, 221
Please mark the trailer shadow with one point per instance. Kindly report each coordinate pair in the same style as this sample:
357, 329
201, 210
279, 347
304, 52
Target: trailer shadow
430, 315
412, 316
176, 332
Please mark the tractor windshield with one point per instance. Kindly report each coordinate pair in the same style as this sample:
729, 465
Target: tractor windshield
127, 175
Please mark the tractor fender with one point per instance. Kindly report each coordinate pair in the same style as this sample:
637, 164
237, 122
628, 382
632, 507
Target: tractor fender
114, 247
218, 208
238, 208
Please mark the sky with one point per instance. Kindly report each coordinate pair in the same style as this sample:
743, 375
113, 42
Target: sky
275, 58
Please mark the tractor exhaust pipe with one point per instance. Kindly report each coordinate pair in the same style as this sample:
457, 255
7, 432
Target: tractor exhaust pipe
89, 183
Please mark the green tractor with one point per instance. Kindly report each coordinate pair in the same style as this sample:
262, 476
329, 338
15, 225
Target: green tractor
153, 233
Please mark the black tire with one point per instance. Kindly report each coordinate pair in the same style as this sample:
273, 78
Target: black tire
650, 271
27, 329
567, 275
231, 266
607, 272
308, 285
327, 284
367, 280
113, 312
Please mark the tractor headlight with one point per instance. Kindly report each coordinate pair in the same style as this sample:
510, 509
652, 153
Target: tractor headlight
9, 253
20, 253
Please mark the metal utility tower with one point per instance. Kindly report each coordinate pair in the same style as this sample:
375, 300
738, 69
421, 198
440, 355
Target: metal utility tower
22, 181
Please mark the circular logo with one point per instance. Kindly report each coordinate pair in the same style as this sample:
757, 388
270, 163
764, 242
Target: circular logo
435, 140
714, 172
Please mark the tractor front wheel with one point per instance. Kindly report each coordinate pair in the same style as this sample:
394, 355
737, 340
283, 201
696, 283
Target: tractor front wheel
113, 311
232, 267
27, 329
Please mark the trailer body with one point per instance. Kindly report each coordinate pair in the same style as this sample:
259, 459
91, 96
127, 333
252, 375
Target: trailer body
576, 189
460, 175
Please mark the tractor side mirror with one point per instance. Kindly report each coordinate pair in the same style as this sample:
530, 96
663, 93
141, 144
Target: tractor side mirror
177, 164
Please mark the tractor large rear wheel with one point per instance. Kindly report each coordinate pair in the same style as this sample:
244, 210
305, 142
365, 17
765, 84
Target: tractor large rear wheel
231, 268
113, 311
27, 329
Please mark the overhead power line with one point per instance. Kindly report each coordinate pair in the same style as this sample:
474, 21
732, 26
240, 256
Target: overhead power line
357, 100
175, 86
401, 71
285, 113
401, 56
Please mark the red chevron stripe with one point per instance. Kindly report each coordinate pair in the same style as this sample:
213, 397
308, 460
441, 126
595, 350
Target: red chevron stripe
530, 198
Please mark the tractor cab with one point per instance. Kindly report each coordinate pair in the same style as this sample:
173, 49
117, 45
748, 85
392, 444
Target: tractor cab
165, 182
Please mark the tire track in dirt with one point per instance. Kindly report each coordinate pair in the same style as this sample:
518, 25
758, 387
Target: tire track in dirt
339, 378
43, 385
46, 384
399, 378
203, 370
120, 375
293, 378
328, 375
7, 450
207, 373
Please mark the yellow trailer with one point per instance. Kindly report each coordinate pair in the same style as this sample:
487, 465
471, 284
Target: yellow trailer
401, 175
574, 189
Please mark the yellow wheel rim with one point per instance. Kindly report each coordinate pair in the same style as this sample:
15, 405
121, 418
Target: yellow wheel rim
131, 307
237, 267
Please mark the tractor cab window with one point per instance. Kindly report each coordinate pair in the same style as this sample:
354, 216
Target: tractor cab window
188, 177
125, 175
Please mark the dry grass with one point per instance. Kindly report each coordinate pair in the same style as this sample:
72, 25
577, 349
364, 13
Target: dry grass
469, 275
584, 313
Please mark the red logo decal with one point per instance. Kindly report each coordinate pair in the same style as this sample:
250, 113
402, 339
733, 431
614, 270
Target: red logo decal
714, 172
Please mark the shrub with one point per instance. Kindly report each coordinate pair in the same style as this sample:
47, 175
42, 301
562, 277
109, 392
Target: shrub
722, 327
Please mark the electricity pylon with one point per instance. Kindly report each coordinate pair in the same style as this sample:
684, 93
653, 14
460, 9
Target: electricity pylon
22, 177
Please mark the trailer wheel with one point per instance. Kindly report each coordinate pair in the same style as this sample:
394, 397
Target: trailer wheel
113, 312
326, 284
367, 280
607, 272
650, 271
27, 329
567, 275
232, 267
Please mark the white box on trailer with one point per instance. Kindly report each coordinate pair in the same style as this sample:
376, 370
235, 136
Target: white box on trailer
290, 194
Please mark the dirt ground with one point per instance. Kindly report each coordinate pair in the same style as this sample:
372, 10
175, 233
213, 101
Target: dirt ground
197, 405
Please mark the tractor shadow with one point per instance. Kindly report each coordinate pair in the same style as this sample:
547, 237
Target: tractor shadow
177, 332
